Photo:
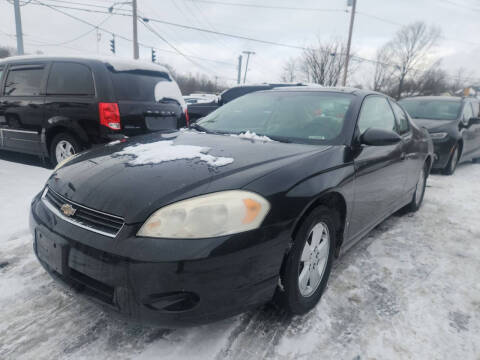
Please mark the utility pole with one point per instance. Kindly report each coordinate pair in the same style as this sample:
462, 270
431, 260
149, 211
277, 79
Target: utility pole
18, 25
246, 65
239, 76
349, 43
135, 33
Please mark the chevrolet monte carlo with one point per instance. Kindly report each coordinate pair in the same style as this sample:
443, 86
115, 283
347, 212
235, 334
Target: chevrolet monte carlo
251, 204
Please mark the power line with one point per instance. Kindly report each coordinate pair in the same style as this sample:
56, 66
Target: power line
267, 42
272, 7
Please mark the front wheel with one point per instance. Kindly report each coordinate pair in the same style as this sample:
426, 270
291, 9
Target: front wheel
308, 265
62, 147
419, 194
453, 162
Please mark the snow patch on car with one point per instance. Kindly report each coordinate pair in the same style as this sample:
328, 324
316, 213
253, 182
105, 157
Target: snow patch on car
252, 136
163, 151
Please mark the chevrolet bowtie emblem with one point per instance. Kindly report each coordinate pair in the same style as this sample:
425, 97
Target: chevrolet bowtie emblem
68, 210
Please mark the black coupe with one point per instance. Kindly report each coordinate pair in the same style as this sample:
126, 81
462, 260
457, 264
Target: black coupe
250, 205
454, 125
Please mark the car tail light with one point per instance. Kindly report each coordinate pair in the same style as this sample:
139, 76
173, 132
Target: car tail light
109, 115
187, 117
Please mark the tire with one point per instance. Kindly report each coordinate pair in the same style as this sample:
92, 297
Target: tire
68, 142
299, 297
453, 162
419, 194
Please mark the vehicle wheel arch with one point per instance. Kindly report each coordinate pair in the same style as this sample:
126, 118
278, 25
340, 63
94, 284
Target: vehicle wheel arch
60, 126
331, 199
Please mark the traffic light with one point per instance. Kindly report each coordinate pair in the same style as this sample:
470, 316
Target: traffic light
112, 44
154, 56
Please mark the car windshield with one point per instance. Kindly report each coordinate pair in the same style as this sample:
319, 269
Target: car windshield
304, 117
432, 109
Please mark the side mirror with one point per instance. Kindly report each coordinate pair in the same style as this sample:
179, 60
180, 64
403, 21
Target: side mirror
474, 121
379, 137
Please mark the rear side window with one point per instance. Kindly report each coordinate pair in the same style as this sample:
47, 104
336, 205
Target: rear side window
138, 85
70, 79
403, 126
1, 73
24, 81
376, 113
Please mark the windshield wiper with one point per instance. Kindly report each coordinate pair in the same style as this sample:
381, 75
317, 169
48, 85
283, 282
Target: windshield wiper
200, 128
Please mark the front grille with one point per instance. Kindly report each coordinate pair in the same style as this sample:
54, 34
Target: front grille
90, 219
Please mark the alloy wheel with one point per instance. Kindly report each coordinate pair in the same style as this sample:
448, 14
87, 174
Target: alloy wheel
64, 150
314, 259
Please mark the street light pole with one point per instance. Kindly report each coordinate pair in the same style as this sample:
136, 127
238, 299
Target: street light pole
18, 25
349, 43
246, 65
135, 32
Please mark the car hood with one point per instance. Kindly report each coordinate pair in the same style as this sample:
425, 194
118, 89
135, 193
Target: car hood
432, 125
135, 178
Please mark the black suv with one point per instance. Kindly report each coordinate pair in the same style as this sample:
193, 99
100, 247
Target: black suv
57, 106
199, 110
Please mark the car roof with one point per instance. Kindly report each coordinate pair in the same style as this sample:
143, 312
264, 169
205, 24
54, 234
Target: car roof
441, 98
116, 63
344, 90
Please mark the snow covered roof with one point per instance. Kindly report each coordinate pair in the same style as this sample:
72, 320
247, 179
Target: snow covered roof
118, 64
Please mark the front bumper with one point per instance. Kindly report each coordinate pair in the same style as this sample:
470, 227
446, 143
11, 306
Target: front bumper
162, 281
443, 149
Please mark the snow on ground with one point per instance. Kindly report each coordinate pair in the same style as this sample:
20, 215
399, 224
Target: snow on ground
409, 290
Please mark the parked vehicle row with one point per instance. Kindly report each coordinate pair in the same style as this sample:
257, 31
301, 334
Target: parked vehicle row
454, 125
57, 106
250, 204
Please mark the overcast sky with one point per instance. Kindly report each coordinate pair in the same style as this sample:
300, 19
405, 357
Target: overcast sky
458, 20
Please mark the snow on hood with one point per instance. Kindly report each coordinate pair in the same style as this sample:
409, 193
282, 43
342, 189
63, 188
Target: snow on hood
163, 151
252, 136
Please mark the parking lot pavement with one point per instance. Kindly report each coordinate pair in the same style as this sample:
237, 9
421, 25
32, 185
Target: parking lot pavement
409, 290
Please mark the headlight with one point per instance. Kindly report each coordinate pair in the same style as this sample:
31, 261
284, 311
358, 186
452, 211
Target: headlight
439, 136
64, 161
221, 213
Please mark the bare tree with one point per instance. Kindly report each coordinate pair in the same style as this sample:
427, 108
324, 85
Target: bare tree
383, 74
6, 52
290, 70
323, 64
434, 81
410, 51
460, 80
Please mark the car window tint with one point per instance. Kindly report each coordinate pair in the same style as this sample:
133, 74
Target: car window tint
24, 82
298, 117
432, 109
467, 112
1, 73
403, 126
139, 85
70, 79
376, 113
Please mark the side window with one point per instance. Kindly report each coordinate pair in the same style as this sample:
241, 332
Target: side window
24, 81
70, 79
403, 126
376, 113
1, 73
467, 112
